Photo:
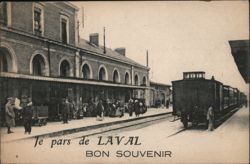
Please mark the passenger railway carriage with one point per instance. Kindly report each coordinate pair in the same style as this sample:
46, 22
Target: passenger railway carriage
193, 95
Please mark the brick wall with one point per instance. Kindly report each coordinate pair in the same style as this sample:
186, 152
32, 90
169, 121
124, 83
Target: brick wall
95, 62
26, 47
21, 16
22, 19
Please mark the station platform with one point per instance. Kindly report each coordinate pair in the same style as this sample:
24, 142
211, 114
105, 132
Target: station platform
238, 123
53, 129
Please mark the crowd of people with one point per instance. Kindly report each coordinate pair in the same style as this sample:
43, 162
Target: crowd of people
111, 108
22, 111
137, 107
100, 108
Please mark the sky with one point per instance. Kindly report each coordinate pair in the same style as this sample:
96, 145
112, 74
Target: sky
180, 36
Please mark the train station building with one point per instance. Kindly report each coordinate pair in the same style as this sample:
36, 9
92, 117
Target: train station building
160, 94
43, 57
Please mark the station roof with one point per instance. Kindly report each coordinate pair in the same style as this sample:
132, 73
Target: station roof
84, 44
240, 52
159, 84
69, 80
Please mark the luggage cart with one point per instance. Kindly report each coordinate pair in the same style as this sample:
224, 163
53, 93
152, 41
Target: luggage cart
40, 115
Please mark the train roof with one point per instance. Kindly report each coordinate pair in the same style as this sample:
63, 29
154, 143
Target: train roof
199, 76
194, 72
198, 79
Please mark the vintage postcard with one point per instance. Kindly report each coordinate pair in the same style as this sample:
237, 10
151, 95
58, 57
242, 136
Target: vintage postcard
124, 82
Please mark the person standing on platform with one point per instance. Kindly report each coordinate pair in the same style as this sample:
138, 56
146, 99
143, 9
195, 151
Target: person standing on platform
137, 108
100, 110
162, 103
167, 104
27, 114
65, 110
10, 114
210, 118
91, 108
131, 107
62, 109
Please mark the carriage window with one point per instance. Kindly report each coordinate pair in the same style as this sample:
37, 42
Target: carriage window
193, 75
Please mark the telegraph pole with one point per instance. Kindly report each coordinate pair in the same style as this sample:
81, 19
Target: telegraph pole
104, 41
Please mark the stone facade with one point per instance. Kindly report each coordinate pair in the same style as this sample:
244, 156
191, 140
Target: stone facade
39, 42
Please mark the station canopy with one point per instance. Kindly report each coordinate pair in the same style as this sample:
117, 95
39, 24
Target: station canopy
240, 52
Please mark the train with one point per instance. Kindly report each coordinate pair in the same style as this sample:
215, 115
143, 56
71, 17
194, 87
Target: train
193, 95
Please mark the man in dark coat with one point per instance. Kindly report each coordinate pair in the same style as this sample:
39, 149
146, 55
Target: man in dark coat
26, 104
10, 114
100, 108
167, 104
131, 107
65, 110
137, 108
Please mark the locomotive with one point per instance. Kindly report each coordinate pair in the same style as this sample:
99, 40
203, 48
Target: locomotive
193, 95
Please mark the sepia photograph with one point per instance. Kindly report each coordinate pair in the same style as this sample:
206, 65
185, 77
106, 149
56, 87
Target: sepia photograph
124, 82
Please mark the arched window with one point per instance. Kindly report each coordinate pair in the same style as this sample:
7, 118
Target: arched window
8, 61
3, 62
136, 80
65, 69
144, 81
38, 65
126, 78
102, 74
115, 77
85, 71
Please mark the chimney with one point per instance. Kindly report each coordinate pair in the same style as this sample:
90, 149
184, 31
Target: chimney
94, 39
121, 51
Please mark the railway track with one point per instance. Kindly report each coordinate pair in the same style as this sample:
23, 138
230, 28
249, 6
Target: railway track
138, 124
128, 126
